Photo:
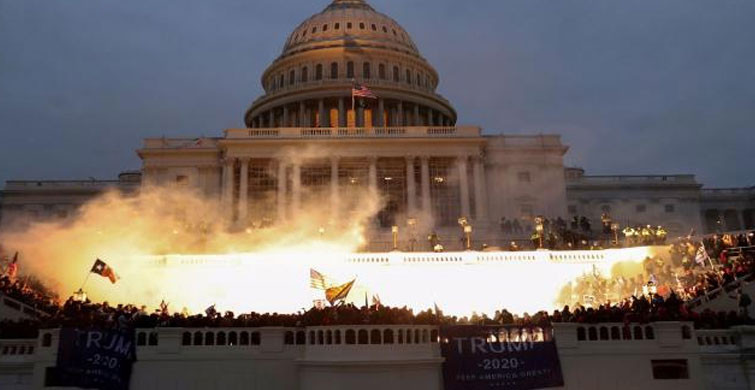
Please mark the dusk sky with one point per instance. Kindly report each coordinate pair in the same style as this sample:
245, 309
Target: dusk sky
633, 87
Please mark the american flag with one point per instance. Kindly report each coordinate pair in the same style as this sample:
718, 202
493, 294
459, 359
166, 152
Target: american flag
361, 91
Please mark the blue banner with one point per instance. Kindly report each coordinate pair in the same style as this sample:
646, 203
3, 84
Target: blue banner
94, 359
499, 357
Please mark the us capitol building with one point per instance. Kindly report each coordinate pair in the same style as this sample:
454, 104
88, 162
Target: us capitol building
305, 141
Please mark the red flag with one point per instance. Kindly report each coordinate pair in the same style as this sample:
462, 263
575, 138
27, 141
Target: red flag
104, 270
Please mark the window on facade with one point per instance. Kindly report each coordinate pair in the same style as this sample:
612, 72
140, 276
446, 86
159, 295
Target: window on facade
641, 208
318, 72
524, 177
385, 29
396, 74
374, 27
182, 180
349, 25
337, 26
394, 31
418, 79
314, 30
324, 27
334, 70
350, 70
381, 71
670, 369
444, 194
361, 26
280, 81
669, 208
408, 76
291, 77
572, 209
304, 74
366, 70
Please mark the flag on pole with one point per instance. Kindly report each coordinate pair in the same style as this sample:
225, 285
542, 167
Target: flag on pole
376, 301
317, 280
13, 267
104, 270
701, 256
335, 294
362, 91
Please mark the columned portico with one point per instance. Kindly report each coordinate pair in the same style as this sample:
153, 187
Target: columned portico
282, 180
243, 207
411, 190
228, 177
464, 186
425, 176
296, 189
481, 201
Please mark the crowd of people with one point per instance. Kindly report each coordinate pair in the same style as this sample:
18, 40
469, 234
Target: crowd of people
664, 291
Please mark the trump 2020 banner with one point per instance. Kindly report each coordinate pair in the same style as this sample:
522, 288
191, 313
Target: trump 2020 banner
94, 359
499, 357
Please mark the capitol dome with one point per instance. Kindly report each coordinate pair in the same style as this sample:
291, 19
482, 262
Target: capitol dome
309, 84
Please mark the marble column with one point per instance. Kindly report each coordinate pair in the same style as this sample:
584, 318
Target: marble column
411, 188
480, 192
323, 116
334, 194
228, 186
342, 115
372, 174
296, 191
425, 173
302, 115
464, 186
281, 190
381, 113
243, 206
400, 115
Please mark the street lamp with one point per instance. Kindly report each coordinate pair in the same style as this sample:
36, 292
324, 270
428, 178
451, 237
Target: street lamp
394, 230
468, 235
411, 222
539, 229
615, 229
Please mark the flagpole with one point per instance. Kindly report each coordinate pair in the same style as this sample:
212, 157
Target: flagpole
85, 281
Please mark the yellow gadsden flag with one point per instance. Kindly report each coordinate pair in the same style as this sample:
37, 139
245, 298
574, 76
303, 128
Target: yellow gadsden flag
335, 294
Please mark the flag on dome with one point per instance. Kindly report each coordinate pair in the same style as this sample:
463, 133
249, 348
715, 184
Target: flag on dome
104, 270
335, 294
362, 91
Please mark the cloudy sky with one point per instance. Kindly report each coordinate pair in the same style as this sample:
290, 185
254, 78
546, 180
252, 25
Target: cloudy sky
634, 87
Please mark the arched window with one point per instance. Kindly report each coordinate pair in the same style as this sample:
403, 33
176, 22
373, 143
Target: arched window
186, 338
361, 26
395, 74
304, 74
615, 334
400, 336
362, 336
314, 30
686, 332
388, 336
320, 337
288, 339
592, 333
141, 339
418, 80
350, 336
209, 338
291, 77
366, 70
280, 81
255, 338
374, 27
152, 338
637, 333
244, 340
375, 337
329, 337
603, 333
381, 71
337, 338
301, 338
350, 70
47, 340
334, 70
434, 336
312, 339
349, 25
197, 338
221, 338
408, 76
337, 26
324, 27
233, 338
318, 72
649, 333
385, 29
